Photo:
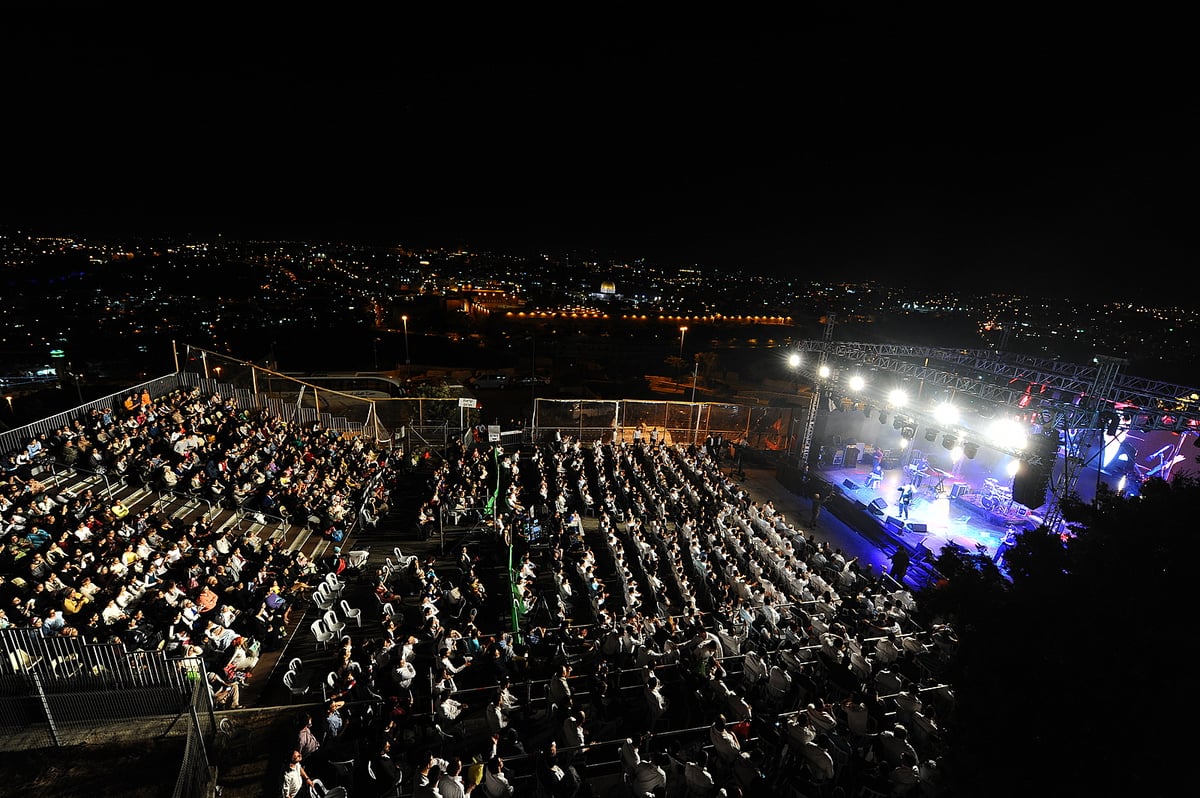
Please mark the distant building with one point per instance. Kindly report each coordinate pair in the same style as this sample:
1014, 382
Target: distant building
607, 293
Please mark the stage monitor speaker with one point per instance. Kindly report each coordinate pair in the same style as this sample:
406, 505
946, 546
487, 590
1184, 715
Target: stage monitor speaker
916, 526
958, 489
893, 523
850, 484
878, 507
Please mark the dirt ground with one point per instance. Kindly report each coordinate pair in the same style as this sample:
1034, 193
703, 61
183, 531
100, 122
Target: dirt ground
146, 768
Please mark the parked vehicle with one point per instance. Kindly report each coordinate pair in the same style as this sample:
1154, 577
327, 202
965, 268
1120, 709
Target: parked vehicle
491, 381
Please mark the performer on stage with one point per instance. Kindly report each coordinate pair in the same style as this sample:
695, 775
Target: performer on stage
920, 470
876, 476
906, 497
1010, 540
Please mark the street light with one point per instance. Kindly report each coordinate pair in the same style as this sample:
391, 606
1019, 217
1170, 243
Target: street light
407, 359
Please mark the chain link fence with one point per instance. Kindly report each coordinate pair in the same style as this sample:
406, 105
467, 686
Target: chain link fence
763, 429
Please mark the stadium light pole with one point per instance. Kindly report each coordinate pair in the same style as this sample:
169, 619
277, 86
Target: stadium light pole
407, 359
682, 333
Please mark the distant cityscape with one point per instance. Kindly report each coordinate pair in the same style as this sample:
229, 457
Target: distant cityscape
86, 312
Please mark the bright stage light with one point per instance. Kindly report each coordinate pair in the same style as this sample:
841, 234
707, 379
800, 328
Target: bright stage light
1008, 434
794, 359
857, 383
824, 372
897, 398
956, 454
903, 443
946, 414
1012, 467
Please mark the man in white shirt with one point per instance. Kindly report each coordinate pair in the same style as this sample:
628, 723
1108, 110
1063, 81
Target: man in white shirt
724, 741
497, 718
449, 711
698, 778
495, 780
650, 776
656, 702
450, 785
404, 673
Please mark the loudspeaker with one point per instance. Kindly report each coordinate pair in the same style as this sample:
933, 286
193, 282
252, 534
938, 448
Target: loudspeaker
893, 523
850, 484
914, 526
958, 489
1031, 481
878, 507
851, 457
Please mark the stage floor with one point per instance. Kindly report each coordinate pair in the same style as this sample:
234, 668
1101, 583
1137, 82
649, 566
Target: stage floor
934, 519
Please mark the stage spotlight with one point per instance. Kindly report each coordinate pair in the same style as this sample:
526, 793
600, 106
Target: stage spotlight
898, 423
866, 411
949, 442
908, 432
931, 435
883, 419
970, 450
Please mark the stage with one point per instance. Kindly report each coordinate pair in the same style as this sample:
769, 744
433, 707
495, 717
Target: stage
946, 508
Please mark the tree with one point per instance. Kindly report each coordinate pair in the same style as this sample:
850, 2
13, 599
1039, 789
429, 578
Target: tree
1067, 677
676, 363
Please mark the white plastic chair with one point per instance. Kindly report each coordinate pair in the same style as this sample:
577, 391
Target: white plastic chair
333, 623
390, 612
352, 613
324, 597
322, 633
291, 680
357, 558
335, 583
404, 560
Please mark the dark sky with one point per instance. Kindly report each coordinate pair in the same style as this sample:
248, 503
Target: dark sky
1006, 154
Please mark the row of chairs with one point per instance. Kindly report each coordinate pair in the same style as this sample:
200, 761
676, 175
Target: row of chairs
327, 597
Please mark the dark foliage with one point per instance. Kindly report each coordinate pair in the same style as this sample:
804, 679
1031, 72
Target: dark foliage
1068, 679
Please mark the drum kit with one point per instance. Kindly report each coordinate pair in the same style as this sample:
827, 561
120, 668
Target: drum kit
995, 497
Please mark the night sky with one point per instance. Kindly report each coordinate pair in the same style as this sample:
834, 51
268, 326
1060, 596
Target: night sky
1003, 154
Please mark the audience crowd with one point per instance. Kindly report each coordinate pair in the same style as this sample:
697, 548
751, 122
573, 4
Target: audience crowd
670, 625
84, 565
